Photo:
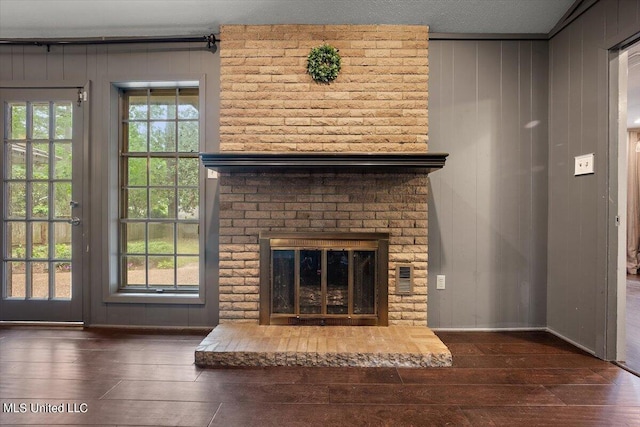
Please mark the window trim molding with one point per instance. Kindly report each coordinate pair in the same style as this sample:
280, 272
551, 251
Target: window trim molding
112, 293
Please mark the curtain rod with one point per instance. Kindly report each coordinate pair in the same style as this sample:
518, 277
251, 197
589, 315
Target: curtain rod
209, 39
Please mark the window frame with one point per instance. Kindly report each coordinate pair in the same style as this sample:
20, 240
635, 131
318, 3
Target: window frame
114, 292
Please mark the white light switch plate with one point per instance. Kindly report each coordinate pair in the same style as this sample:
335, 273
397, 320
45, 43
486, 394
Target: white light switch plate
211, 174
584, 164
440, 283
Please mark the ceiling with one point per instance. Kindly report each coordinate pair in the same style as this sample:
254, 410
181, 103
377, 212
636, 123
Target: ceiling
114, 18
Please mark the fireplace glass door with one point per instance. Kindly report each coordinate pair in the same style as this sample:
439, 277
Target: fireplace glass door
323, 283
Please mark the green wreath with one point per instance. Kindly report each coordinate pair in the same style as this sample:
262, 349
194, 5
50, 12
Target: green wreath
323, 63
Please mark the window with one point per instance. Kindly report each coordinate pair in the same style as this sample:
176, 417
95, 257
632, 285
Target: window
159, 234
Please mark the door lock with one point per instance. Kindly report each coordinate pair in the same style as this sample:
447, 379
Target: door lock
73, 204
75, 221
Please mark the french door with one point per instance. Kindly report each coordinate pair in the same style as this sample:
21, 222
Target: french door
42, 210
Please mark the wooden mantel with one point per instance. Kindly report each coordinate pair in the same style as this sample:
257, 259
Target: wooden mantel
323, 162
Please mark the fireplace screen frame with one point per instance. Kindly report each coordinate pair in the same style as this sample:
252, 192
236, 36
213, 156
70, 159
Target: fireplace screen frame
378, 242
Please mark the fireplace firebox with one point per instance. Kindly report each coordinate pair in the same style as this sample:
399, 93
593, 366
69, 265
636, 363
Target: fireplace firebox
324, 278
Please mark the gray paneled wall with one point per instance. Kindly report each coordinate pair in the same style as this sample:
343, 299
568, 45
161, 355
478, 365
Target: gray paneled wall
102, 65
488, 206
577, 292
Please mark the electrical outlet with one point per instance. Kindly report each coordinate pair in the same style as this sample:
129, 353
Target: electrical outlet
584, 164
440, 281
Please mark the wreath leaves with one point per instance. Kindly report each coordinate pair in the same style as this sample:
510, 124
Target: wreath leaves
323, 63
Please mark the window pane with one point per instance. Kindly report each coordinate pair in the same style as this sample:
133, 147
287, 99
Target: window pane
188, 171
161, 238
161, 270
136, 172
162, 203
40, 120
188, 104
62, 168
162, 172
188, 271
17, 121
137, 136
138, 107
16, 161
135, 270
163, 104
136, 203
188, 201
136, 238
162, 137
188, 239
63, 121
188, 137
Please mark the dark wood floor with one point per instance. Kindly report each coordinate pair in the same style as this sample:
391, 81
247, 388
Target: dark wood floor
498, 379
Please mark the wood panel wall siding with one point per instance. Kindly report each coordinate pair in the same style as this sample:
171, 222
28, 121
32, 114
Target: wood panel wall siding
578, 293
488, 206
378, 102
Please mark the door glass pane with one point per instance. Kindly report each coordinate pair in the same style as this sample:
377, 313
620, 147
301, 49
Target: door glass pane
40, 240
364, 297
16, 279
138, 107
162, 202
310, 282
17, 206
16, 239
188, 201
16, 161
62, 240
162, 171
337, 282
62, 280
17, 123
62, 168
40, 160
63, 120
40, 200
39, 280
283, 281
62, 198
40, 120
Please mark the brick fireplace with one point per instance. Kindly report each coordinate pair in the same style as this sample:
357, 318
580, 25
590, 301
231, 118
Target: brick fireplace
376, 106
